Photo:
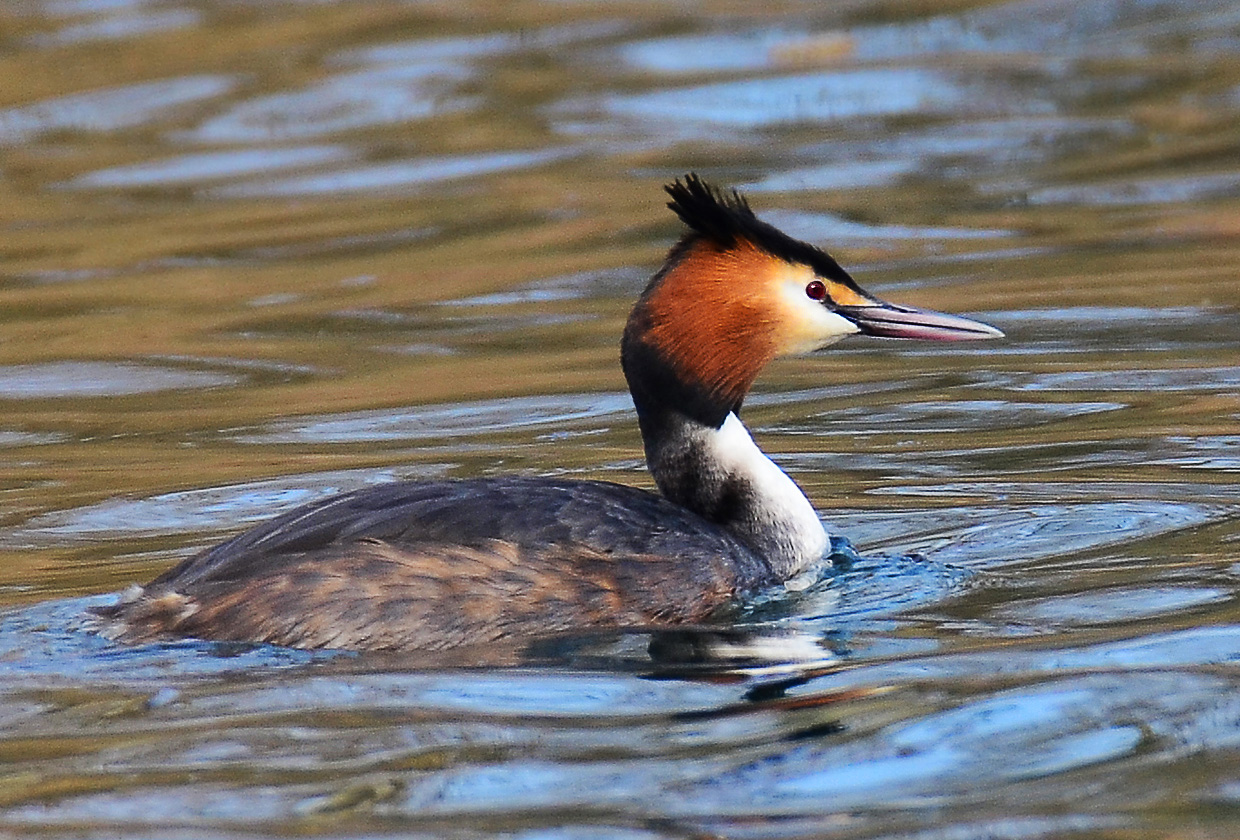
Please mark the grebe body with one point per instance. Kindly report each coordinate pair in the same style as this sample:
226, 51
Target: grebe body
435, 565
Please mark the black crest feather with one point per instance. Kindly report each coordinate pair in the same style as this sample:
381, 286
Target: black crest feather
724, 218
717, 215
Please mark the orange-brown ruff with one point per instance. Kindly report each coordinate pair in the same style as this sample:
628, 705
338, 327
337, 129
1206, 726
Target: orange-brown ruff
433, 565
711, 328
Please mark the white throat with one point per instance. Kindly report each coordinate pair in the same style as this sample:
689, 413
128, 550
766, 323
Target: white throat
772, 514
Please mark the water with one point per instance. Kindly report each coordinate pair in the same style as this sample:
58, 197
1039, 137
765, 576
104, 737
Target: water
255, 254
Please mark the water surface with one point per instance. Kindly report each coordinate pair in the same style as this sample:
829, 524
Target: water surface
256, 254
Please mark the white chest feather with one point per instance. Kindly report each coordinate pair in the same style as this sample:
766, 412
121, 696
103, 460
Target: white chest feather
780, 519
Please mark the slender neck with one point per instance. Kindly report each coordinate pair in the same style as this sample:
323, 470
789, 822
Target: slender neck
703, 458
690, 352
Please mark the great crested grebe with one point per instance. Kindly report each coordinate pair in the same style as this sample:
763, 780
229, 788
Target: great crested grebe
433, 565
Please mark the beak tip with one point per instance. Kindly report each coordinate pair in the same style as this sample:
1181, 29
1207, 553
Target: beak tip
991, 332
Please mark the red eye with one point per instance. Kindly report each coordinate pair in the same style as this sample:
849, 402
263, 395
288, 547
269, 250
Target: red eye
816, 290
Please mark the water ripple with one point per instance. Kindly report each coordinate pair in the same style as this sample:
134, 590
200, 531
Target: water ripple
395, 175
981, 537
1111, 605
102, 379
110, 109
805, 98
458, 419
210, 166
212, 509
127, 25
346, 102
1153, 381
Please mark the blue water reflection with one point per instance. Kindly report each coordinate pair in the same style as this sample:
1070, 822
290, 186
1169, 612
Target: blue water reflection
254, 254
110, 109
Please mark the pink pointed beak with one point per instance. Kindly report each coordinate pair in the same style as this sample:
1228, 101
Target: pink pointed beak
890, 320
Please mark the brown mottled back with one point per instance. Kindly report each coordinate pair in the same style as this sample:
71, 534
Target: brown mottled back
375, 596
430, 566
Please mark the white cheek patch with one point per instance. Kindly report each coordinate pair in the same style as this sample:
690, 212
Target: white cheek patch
806, 324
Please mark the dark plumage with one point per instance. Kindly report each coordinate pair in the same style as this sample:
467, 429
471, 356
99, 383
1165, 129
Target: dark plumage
433, 565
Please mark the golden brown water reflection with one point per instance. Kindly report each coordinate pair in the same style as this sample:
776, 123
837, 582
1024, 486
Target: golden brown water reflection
255, 253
